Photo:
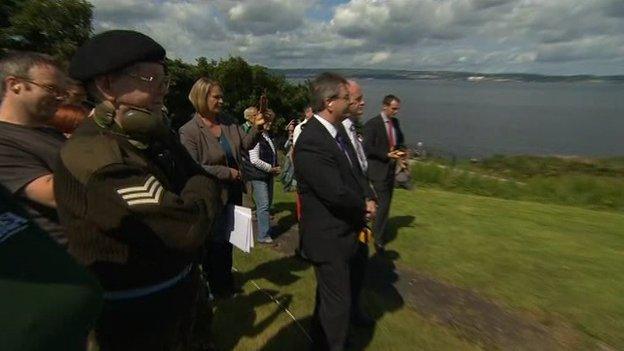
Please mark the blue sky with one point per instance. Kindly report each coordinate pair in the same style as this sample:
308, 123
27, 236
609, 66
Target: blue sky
530, 36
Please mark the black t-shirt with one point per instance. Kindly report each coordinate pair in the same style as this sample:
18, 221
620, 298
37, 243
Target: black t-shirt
27, 153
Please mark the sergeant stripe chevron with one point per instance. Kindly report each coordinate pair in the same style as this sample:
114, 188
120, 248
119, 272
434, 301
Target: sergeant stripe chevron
148, 193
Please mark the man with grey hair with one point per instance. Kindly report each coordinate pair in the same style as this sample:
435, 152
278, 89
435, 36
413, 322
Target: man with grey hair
249, 114
334, 207
32, 87
360, 258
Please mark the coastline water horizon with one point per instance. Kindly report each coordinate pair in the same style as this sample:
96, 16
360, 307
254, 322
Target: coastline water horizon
477, 118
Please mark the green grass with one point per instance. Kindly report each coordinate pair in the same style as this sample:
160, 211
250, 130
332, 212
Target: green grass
254, 322
561, 187
524, 167
556, 262
559, 264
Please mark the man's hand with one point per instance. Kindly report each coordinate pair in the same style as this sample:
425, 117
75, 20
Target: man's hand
396, 154
371, 209
234, 174
276, 170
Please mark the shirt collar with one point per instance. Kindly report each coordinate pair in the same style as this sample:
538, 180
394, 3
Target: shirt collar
384, 117
330, 127
347, 123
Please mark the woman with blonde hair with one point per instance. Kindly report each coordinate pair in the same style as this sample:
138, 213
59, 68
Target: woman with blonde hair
216, 143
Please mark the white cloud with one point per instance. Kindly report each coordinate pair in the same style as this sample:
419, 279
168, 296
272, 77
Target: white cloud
544, 36
379, 57
266, 16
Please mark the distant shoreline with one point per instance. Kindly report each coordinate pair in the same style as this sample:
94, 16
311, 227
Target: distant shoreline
448, 155
475, 77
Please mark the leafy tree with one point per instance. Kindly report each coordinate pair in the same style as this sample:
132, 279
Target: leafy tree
58, 27
55, 27
243, 85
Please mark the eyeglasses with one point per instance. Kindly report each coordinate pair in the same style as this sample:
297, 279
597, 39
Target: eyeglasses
58, 93
163, 84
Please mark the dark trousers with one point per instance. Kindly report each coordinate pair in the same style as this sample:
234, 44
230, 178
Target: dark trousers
330, 321
217, 265
384, 191
357, 275
217, 260
161, 321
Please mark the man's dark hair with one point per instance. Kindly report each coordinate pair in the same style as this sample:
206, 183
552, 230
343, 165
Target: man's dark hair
387, 100
19, 63
325, 86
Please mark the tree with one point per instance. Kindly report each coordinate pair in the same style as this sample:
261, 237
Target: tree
58, 27
54, 27
242, 84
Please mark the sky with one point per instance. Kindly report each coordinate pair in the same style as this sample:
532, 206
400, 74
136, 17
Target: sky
557, 37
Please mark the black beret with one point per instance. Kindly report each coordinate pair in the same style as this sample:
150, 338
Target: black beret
113, 50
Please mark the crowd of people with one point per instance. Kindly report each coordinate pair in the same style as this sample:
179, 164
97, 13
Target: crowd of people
87, 157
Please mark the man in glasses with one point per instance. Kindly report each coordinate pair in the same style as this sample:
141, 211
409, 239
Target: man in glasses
137, 208
334, 207
32, 86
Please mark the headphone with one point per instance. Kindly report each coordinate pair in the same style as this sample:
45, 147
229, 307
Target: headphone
105, 112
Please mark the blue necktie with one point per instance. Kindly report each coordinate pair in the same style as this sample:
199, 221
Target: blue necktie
343, 146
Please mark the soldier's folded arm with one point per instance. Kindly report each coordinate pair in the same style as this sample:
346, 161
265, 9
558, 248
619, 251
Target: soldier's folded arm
121, 195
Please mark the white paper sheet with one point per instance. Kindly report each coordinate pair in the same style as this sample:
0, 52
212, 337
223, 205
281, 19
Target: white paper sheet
241, 235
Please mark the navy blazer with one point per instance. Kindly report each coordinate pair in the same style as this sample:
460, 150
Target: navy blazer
333, 199
380, 166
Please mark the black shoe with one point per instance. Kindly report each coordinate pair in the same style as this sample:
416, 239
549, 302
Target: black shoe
362, 320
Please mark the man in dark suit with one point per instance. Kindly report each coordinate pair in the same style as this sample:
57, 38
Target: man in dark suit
360, 259
334, 206
383, 141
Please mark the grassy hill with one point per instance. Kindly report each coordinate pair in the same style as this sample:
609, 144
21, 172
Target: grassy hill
584, 182
467, 272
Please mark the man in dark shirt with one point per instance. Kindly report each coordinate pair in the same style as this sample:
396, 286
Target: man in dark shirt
31, 88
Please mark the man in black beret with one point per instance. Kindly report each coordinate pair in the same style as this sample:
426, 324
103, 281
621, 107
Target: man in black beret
136, 207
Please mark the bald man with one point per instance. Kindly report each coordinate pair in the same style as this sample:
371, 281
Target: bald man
360, 259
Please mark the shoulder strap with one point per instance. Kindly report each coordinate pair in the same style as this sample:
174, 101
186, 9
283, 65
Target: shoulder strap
85, 155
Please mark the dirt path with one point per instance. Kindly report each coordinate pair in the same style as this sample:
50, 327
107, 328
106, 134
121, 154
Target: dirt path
474, 318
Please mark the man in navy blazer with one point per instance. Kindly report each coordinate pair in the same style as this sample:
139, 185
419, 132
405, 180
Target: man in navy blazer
335, 206
383, 141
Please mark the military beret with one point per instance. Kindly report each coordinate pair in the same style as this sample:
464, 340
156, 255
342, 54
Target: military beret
113, 50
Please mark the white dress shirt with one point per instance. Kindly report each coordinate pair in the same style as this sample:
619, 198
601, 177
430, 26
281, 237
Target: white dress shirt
357, 144
297, 131
386, 122
330, 127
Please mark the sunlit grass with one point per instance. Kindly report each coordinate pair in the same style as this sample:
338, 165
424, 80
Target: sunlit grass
559, 264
